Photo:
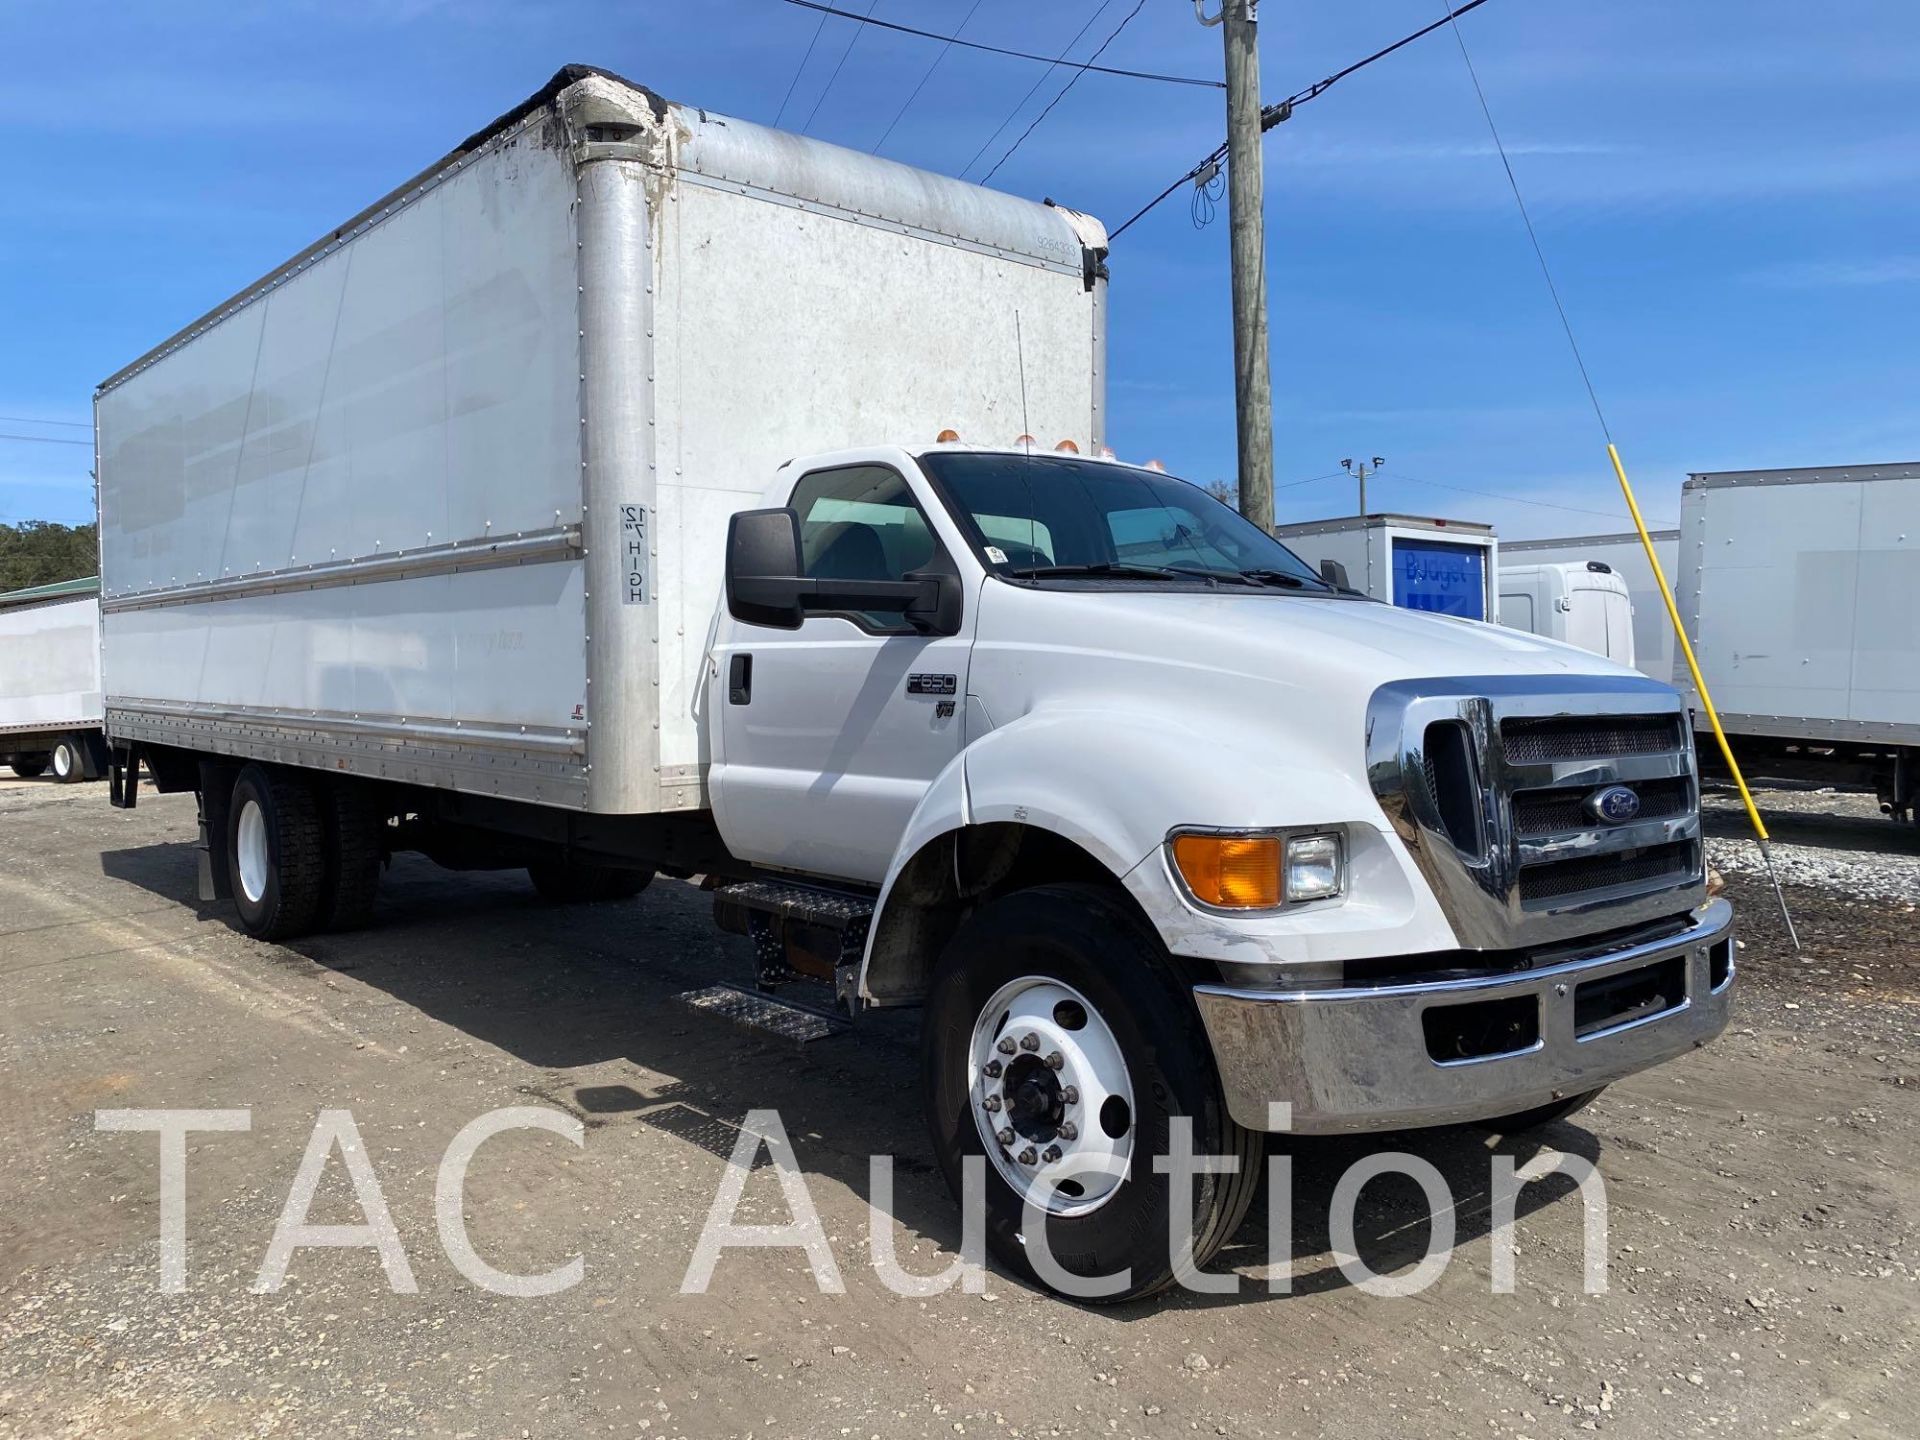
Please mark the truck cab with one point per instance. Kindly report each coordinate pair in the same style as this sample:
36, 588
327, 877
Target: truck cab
1089, 745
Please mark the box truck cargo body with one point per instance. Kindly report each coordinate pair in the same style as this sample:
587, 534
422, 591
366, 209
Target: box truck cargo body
50, 714
1800, 590
1622, 553
1445, 567
443, 500
643, 491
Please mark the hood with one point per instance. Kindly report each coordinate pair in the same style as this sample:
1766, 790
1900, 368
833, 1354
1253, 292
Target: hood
1274, 634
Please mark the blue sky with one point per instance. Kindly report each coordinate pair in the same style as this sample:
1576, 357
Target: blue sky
1729, 192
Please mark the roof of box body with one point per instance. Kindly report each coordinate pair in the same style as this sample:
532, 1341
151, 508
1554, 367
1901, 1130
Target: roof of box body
603, 108
58, 590
1384, 521
1809, 475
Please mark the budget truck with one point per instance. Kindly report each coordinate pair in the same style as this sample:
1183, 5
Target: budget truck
50, 720
639, 491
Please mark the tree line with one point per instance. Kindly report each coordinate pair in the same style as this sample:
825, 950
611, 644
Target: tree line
40, 552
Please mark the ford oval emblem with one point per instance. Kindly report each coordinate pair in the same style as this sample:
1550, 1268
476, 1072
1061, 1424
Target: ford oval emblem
1616, 804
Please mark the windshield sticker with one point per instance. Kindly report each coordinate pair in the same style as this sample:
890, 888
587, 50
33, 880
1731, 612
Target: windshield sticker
996, 555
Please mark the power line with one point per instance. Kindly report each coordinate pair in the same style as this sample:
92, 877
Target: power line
1075, 80
952, 40
47, 440
1034, 89
852, 40
798, 71
1272, 115
1520, 499
30, 420
1533, 238
1047, 60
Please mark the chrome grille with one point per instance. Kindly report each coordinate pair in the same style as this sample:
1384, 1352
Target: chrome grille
1531, 741
1489, 781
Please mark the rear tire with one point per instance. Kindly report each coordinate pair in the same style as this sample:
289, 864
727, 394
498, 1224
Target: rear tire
577, 884
276, 853
68, 761
1541, 1115
1113, 991
29, 769
353, 822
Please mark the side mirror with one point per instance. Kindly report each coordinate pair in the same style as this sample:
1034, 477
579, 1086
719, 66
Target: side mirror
763, 568
937, 609
1334, 573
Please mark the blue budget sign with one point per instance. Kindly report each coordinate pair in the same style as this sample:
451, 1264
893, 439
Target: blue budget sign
1447, 579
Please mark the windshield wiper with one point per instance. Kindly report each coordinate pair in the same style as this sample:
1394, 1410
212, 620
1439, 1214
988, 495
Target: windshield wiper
1283, 578
1106, 571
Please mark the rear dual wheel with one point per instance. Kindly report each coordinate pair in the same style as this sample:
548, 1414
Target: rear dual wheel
302, 854
1061, 1046
68, 761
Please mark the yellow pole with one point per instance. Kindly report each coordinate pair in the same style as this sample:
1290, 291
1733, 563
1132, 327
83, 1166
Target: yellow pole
1699, 681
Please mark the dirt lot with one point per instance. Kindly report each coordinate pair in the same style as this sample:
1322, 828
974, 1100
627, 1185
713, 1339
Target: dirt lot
1763, 1194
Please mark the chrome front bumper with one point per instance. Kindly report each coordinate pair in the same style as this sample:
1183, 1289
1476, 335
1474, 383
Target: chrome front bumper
1361, 1059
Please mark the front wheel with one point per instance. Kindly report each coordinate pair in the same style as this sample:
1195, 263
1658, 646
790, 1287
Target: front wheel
1061, 1046
29, 767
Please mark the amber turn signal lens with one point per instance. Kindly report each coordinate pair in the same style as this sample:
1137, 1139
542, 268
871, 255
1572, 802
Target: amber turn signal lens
1234, 872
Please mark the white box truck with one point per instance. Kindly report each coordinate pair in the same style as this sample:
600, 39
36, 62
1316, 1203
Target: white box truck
1800, 590
50, 716
1577, 602
1623, 554
593, 504
1445, 567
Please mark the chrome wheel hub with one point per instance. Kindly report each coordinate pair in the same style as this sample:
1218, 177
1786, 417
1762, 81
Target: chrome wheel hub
1051, 1096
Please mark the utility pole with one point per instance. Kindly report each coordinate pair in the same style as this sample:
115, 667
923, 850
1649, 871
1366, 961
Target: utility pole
1246, 218
1361, 474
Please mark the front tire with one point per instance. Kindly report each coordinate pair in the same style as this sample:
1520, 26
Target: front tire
29, 768
1072, 967
276, 853
68, 761
1541, 1115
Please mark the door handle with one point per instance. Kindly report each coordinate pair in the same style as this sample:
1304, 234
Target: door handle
740, 679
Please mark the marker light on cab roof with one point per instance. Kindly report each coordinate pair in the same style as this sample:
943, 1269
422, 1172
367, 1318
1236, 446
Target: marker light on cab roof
1067, 447
947, 437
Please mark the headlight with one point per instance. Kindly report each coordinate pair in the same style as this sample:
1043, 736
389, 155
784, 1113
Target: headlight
1227, 871
1314, 867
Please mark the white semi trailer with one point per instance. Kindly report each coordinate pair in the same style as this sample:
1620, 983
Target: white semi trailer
1800, 591
50, 718
593, 503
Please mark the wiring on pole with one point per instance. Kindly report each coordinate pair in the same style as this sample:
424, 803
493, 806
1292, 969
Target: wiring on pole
1034, 89
1281, 110
29, 420
1614, 515
1208, 186
1075, 80
952, 40
46, 440
852, 40
1050, 61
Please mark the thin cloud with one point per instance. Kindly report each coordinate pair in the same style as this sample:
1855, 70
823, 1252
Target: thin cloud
1838, 274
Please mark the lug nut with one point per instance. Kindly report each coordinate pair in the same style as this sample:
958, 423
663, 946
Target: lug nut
1029, 1041
1006, 1046
1069, 1131
1005, 1135
1052, 1154
992, 1069
992, 1102
1027, 1157
1055, 1060
1070, 1094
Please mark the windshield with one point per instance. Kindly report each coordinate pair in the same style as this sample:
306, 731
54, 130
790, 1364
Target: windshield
1057, 517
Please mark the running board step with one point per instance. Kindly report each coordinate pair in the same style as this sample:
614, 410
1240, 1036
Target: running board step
799, 930
764, 1015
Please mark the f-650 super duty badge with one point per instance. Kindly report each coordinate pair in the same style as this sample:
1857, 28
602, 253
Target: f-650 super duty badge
932, 684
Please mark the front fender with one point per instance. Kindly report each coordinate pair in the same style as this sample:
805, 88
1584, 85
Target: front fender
1115, 786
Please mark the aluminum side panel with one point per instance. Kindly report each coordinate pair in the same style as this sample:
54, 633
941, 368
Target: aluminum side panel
50, 665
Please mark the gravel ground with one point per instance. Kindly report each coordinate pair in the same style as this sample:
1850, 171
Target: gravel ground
1824, 839
1762, 1197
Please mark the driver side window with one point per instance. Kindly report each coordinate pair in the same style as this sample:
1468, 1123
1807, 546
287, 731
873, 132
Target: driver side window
861, 522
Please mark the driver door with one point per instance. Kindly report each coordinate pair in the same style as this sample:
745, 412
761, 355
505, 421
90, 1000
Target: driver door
831, 733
